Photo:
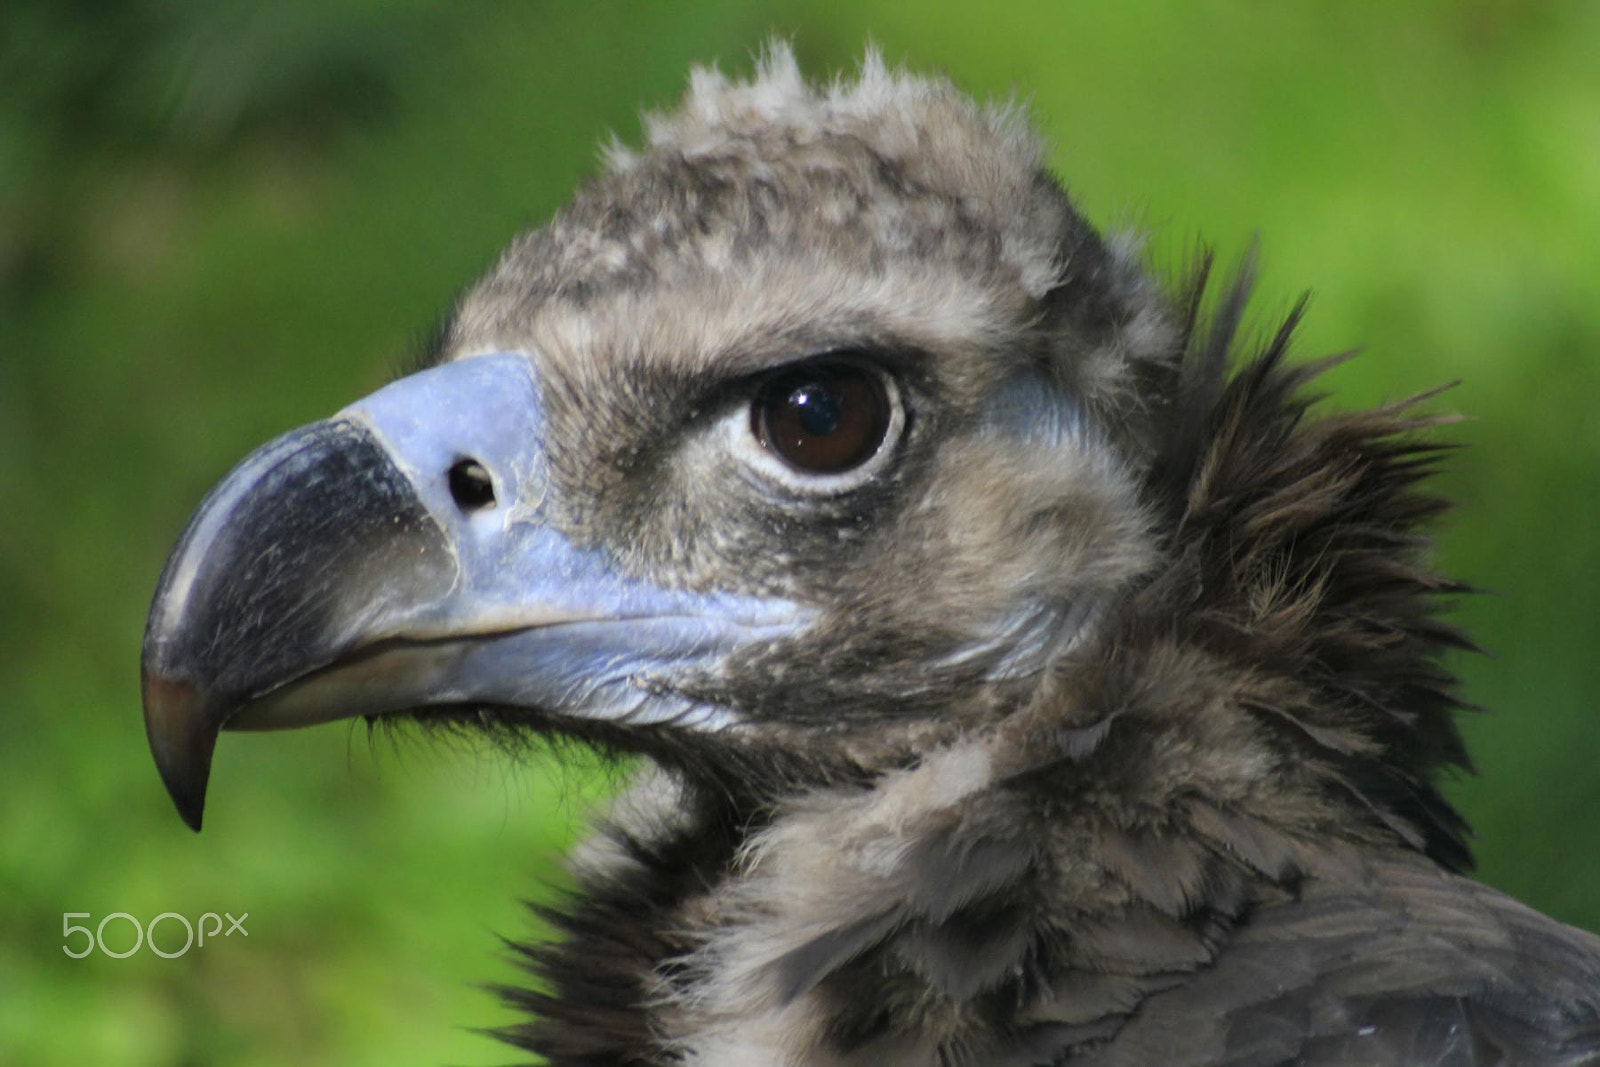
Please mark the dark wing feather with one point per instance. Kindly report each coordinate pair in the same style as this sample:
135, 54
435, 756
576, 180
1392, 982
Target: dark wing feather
1409, 965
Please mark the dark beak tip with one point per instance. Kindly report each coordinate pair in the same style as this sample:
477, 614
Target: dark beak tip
191, 816
191, 806
182, 737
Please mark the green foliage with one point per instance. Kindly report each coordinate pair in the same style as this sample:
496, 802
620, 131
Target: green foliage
219, 221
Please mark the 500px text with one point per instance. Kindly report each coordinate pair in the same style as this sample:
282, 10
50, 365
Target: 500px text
143, 934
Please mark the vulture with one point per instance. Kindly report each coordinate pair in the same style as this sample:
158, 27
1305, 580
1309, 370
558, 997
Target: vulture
1022, 672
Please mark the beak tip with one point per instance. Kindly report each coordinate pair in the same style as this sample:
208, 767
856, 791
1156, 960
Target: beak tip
182, 737
191, 813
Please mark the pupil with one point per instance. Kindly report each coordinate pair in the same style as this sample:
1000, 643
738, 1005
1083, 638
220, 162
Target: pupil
817, 408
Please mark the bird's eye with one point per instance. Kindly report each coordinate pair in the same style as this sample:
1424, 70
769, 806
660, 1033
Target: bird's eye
823, 417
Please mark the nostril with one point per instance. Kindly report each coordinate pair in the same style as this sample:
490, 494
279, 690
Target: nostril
471, 486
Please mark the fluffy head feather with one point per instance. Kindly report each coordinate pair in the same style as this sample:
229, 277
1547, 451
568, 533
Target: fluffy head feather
768, 221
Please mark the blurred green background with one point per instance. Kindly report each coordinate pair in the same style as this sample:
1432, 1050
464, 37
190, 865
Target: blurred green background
220, 220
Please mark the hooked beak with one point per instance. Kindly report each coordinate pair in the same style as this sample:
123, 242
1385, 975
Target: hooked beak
397, 557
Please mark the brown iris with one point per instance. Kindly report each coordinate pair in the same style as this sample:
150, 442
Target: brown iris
822, 418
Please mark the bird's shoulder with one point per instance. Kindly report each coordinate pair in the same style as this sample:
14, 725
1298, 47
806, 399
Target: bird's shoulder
1393, 961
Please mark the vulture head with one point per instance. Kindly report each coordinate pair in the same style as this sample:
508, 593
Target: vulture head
1020, 685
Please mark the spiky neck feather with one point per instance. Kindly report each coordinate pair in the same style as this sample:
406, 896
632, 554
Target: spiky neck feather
1269, 699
